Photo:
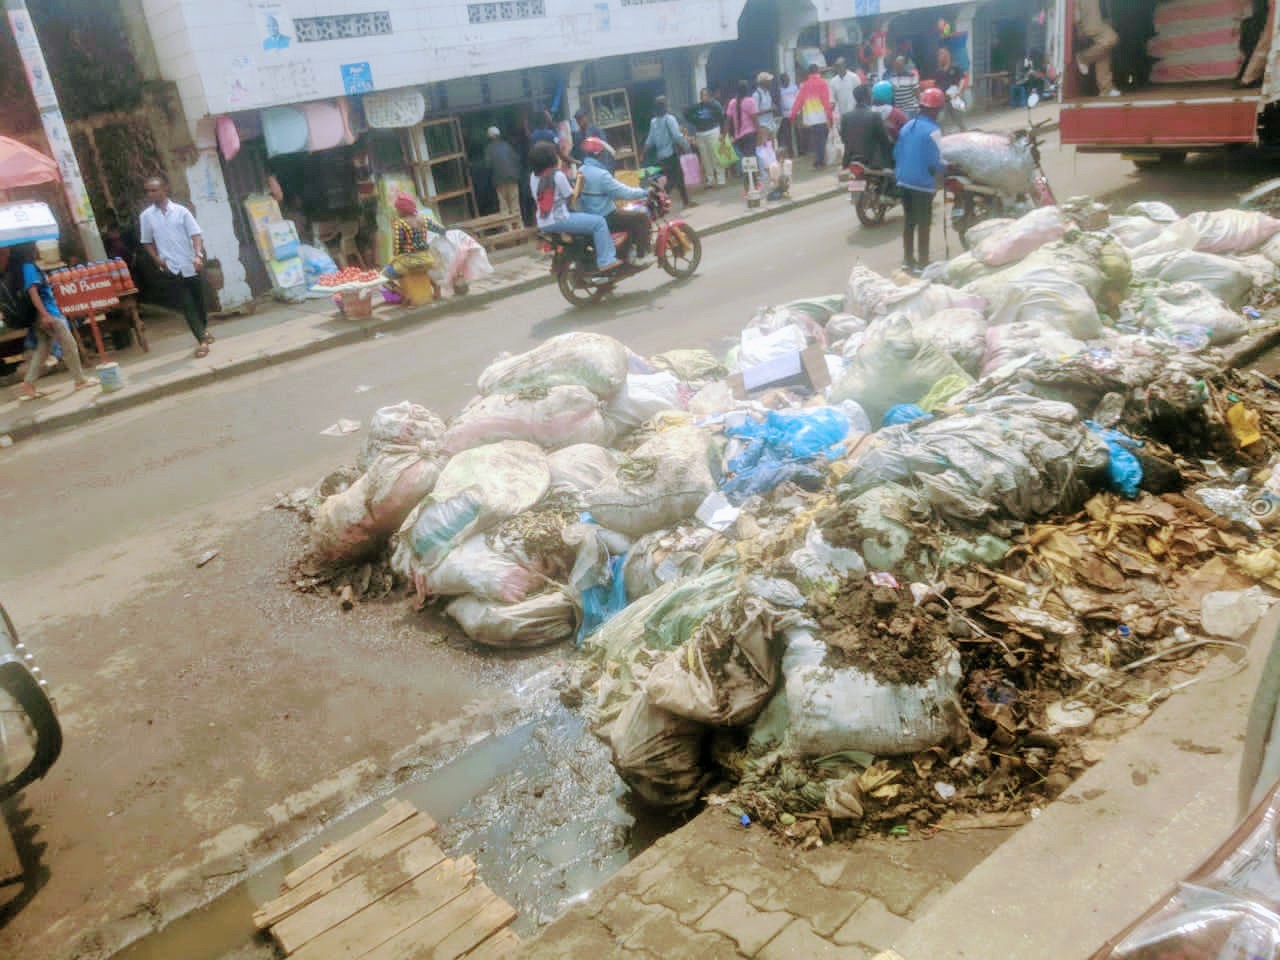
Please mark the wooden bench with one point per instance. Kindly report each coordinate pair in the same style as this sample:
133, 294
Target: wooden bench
991, 89
497, 230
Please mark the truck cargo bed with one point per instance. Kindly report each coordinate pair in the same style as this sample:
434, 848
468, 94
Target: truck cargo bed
1180, 116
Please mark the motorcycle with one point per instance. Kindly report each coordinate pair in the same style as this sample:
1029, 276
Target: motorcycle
675, 243
973, 202
872, 192
30, 735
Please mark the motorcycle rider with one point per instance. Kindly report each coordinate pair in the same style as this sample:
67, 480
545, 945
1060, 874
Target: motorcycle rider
551, 195
919, 163
864, 135
882, 100
598, 191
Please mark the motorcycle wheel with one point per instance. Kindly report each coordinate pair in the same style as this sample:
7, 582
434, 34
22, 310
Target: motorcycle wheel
577, 288
871, 208
683, 252
970, 214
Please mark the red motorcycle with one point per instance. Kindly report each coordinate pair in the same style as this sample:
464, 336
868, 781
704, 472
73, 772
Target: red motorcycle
872, 192
973, 202
676, 245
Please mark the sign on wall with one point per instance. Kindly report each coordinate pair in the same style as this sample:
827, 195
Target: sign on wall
274, 24
357, 78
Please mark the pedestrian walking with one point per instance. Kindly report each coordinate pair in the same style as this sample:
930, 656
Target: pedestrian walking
169, 233
504, 165
27, 302
766, 115
906, 86
842, 83
707, 120
814, 111
1101, 39
918, 164
665, 143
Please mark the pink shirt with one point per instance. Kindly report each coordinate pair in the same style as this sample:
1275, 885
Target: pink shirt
740, 128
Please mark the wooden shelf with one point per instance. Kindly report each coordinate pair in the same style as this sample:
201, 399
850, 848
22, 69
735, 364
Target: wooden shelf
624, 144
450, 194
446, 157
614, 125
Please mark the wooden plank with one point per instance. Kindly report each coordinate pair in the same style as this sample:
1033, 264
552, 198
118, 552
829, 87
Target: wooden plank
494, 915
502, 944
319, 884
397, 911
398, 811
394, 870
419, 942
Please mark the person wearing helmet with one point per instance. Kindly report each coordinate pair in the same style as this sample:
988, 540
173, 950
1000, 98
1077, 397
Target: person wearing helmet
918, 164
597, 191
551, 195
882, 103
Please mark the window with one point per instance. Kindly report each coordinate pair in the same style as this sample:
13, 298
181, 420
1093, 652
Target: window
506, 10
343, 27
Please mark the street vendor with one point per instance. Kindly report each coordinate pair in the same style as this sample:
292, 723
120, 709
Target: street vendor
411, 241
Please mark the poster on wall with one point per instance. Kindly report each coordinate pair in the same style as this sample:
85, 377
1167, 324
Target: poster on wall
357, 78
274, 24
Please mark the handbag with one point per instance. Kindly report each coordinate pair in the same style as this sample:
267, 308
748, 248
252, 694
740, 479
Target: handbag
726, 156
691, 167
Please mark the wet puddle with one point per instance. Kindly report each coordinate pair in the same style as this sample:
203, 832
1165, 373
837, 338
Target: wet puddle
539, 807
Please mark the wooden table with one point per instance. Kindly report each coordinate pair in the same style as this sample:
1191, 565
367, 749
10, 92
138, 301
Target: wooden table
497, 230
124, 316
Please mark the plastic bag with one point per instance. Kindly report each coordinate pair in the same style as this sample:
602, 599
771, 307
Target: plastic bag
959, 331
1174, 237
562, 417
831, 709
1153, 210
820, 566
1181, 310
475, 567
778, 449
712, 399
994, 159
1132, 232
920, 302
461, 257
357, 522
866, 291
892, 366
658, 755
664, 556
773, 319
983, 229
725, 672
316, 263
661, 483
403, 425
644, 396
1013, 342
1047, 297
1124, 472
818, 309
536, 622
1020, 238
691, 366
1227, 279
590, 360
1232, 231
582, 467
477, 490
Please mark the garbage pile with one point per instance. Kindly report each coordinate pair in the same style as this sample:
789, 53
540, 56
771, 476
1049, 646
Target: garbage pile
905, 558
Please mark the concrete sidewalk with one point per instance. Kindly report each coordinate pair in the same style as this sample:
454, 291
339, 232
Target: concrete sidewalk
277, 333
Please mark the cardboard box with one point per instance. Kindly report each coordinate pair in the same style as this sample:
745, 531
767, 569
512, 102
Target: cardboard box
805, 369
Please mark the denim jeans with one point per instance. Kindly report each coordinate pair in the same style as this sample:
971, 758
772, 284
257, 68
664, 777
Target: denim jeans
594, 225
817, 135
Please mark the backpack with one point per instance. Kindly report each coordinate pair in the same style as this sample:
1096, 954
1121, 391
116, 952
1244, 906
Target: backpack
19, 312
546, 194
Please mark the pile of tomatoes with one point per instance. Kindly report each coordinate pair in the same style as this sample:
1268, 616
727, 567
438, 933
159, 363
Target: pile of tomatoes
349, 276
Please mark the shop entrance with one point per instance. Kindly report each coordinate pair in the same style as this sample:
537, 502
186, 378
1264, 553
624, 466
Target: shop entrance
753, 51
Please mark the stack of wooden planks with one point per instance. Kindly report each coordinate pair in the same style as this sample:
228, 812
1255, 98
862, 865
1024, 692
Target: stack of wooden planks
388, 892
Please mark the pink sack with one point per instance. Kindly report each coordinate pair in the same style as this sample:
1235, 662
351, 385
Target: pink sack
692, 169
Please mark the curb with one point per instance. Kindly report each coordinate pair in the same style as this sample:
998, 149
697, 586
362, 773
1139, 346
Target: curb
128, 399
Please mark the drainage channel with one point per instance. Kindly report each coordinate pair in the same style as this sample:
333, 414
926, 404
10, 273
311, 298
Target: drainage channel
539, 807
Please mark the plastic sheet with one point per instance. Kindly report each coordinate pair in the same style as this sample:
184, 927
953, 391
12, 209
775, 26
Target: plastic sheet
994, 159
1020, 238
563, 416
903, 413
590, 360
779, 447
1226, 279
1124, 472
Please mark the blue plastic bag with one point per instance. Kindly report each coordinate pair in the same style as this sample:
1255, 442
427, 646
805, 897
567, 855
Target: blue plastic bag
1124, 472
602, 602
903, 413
785, 447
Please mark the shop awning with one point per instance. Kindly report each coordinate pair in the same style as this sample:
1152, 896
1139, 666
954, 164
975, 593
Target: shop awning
22, 166
26, 223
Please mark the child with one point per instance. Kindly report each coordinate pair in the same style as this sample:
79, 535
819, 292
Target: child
773, 172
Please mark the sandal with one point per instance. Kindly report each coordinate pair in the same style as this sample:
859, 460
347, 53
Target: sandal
208, 339
202, 351
85, 385
26, 391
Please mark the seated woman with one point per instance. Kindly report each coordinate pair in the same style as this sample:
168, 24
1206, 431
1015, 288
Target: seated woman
552, 193
411, 242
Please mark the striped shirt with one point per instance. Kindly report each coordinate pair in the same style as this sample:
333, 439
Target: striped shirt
906, 92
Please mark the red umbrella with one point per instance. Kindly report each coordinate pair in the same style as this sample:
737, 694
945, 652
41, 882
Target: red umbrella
21, 166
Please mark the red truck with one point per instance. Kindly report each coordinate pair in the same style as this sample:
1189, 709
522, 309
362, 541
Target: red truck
1177, 64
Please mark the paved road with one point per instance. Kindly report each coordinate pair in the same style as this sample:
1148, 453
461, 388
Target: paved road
196, 699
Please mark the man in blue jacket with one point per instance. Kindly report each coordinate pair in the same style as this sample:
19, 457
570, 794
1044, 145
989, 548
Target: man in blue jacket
599, 190
919, 163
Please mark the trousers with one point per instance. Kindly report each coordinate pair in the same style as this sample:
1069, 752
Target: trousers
636, 223
596, 227
675, 174
189, 292
712, 172
917, 207
508, 198
44, 344
1102, 39
817, 135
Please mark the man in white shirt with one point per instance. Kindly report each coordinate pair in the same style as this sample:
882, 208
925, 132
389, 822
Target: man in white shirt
842, 85
173, 238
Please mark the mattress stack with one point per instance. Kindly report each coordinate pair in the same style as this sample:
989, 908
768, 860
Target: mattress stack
1197, 40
